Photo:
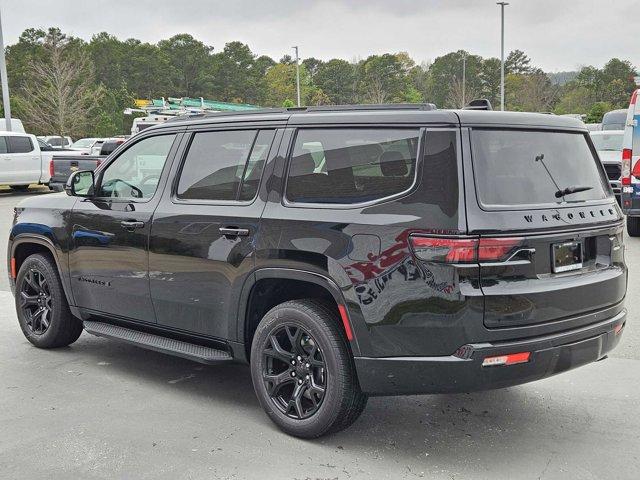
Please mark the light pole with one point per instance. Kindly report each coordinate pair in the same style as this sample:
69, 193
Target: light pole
297, 74
502, 5
464, 79
5, 83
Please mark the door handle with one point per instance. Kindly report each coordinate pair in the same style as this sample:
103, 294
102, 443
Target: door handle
233, 231
131, 225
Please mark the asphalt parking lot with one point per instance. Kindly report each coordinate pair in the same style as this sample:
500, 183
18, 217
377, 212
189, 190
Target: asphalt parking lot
105, 410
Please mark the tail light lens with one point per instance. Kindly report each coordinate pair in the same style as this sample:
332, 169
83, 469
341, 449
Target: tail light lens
626, 166
51, 168
463, 250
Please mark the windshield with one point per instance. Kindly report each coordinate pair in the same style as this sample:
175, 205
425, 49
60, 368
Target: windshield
83, 143
516, 167
610, 142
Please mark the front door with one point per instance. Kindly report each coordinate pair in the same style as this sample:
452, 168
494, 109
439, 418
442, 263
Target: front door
201, 246
108, 256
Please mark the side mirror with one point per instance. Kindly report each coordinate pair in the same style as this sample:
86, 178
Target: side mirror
80, 184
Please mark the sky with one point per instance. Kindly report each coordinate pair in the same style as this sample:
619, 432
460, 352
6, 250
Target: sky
557, 34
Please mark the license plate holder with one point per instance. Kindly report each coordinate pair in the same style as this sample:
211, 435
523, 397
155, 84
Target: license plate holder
566, 256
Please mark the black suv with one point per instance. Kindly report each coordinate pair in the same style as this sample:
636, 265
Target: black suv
341, 252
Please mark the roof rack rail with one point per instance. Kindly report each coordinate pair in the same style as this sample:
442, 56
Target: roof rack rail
479, 104
320, 108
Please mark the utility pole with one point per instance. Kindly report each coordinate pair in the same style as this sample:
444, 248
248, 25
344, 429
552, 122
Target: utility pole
297, 73
5, 83
502, 5
464, 80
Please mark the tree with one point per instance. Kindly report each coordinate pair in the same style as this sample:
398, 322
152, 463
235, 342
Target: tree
529, 93
189, 64
446, 69
60, 95
312, 65
336, 78
382, 79
517, 62
281, 85
235, 77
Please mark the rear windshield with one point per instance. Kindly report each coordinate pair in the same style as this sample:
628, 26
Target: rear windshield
607, 142
526, 167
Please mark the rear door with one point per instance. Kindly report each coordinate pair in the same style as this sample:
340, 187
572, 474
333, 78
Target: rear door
24, 159
202, 237
542, 197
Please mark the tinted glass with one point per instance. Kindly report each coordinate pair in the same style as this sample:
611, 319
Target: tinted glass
255, 165
214, 165
609, 142
4, 148
351, 165
20, 144
515, 167
440, 172
136, 171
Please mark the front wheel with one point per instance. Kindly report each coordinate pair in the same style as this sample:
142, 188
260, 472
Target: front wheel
303, 372
41, 304
19, 188
633, 226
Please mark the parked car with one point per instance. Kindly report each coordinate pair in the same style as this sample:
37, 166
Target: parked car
341, 252
23, 162
614, 120
57, 141
608, 143
62, 166
110, 145
631, 167
16, 125
84, 146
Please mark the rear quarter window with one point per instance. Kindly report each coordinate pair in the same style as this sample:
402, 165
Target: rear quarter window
519, 168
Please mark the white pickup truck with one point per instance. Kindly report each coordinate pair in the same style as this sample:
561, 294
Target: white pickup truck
22, 162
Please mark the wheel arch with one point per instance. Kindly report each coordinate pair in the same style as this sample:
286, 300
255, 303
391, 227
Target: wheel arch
24, 245
291, 284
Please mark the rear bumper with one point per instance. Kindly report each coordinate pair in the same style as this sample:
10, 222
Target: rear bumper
463, 372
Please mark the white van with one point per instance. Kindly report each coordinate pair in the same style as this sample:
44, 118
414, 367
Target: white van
22, 163
631, 167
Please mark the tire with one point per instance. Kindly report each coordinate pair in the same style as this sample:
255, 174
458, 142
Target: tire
19, 188
38, 288
633, 226
327, 365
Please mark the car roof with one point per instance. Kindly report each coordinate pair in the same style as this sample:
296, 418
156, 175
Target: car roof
420, 114
7, 133
606, 132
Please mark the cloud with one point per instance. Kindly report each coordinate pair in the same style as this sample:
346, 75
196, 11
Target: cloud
558, 35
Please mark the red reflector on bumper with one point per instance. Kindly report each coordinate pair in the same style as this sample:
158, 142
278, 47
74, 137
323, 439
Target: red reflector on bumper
511, 359
13, 268
618, 328
345, 322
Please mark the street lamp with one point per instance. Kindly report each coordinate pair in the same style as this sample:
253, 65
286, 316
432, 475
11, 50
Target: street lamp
297, 74
464, 79
5, 83
502, 5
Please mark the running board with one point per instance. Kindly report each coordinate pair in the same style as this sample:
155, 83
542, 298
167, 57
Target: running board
191, 351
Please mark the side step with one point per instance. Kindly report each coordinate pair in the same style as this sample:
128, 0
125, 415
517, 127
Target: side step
150, 341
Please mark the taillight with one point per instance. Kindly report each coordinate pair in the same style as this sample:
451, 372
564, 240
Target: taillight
510, 359
463, 250
626, 166
51, 169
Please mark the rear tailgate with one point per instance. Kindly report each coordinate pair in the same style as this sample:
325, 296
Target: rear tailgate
64, 166
567, 260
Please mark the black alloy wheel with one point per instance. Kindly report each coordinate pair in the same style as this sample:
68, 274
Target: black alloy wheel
35, 301
294, 371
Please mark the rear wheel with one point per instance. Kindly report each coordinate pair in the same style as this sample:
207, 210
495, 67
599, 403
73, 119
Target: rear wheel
41, 305
19, 188
303, 371
633, 226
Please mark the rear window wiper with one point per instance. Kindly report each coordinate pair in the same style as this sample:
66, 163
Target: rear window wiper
570, 190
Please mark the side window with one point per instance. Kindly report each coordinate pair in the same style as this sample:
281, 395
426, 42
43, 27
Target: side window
136, 171
224, 165
3, 145
19, 144
255, 165
348, 166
